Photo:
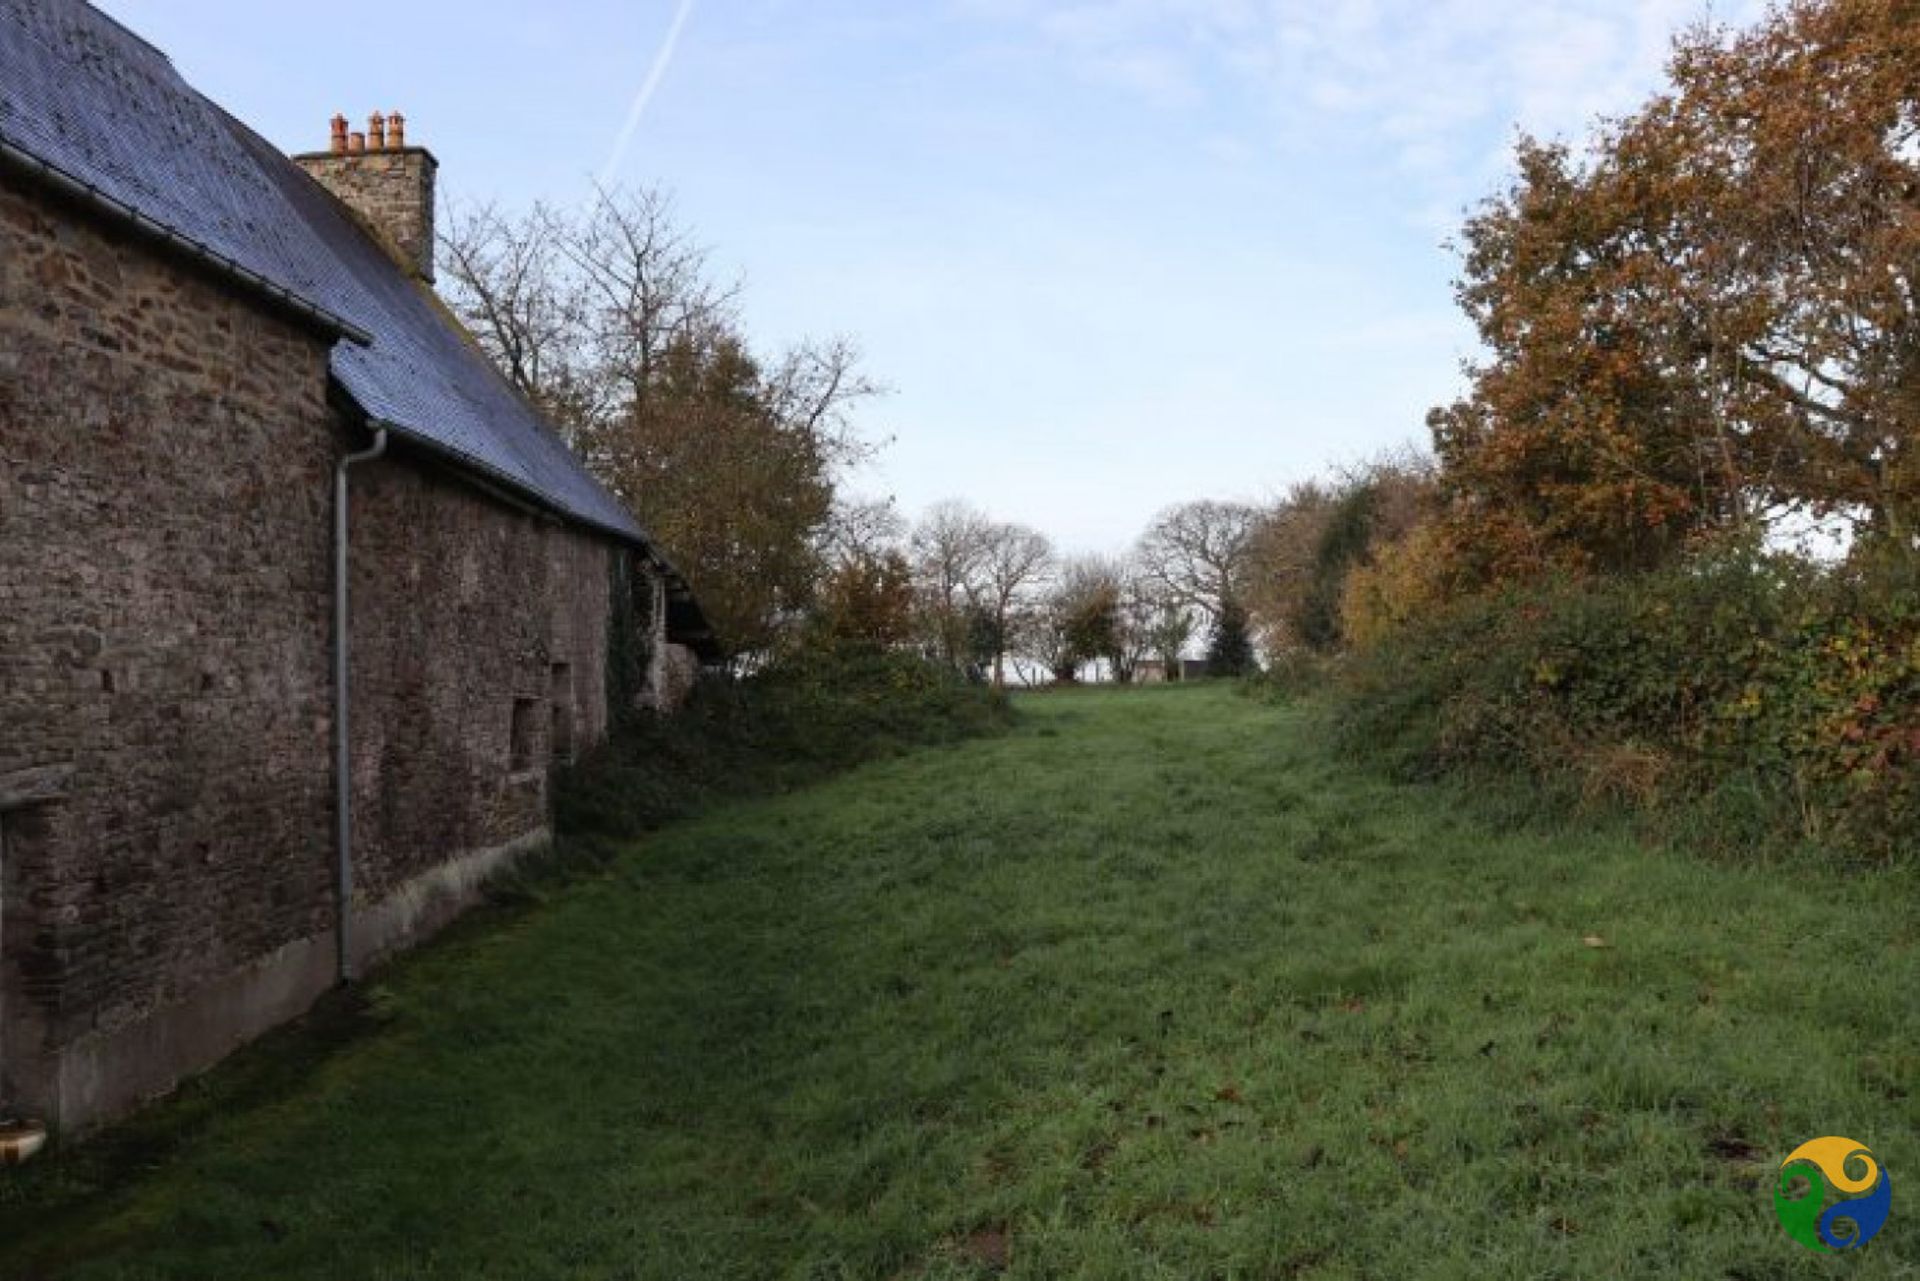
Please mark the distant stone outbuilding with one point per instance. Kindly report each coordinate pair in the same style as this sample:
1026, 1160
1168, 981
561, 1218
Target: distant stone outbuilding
204, 345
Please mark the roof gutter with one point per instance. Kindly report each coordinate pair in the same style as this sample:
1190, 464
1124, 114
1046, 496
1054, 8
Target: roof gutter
496, 484
85, 193
342, 710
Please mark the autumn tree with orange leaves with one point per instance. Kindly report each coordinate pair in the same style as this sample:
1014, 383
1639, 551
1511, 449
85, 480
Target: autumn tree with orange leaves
1707, 320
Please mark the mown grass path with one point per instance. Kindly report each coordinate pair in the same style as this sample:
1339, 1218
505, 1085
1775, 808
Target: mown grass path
1150, 987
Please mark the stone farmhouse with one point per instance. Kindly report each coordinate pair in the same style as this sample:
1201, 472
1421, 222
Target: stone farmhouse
299, 601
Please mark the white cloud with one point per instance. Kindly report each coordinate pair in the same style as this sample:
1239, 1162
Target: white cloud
1432, 80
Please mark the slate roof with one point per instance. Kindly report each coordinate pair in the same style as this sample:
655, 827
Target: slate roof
86, 98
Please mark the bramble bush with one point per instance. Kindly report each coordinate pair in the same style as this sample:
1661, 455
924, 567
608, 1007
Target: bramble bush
1763, 696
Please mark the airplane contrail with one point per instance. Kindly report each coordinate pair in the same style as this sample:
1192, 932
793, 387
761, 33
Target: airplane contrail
655, 75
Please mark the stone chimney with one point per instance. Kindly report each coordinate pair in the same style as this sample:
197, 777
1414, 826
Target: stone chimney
386, 182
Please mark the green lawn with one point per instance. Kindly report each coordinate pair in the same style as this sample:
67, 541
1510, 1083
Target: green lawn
1151, 986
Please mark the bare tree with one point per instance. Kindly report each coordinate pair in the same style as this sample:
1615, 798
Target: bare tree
862, 529
949, 553
644, 288
1137, 636
507, 281
813, 388
1198, 552
1015, 561
609, 321
577, 310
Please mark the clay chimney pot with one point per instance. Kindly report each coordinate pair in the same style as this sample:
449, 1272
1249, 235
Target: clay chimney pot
387, 183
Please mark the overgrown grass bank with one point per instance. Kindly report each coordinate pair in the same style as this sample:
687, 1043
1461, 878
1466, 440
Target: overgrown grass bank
816, 713
1153, 986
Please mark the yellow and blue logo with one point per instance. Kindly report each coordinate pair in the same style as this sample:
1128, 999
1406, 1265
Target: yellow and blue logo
1832, 1194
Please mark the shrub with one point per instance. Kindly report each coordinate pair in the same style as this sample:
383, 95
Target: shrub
1773, 687
1314, 538
809, 715
1405, 580
1230, 647
1343, 546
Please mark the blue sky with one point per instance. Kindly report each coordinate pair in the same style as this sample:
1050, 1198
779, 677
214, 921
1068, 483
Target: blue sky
1109, 254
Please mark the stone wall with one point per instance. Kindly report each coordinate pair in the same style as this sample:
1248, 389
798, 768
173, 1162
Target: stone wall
679, 672
443, 663
164, 459
166, 450
392, 191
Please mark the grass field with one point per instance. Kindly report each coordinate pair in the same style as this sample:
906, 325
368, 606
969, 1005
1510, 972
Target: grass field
1150, 987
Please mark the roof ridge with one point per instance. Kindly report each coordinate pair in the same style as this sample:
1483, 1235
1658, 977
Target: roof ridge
93, 108
131, 34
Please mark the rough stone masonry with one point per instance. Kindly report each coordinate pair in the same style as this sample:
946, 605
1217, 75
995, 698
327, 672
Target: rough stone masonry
168, 436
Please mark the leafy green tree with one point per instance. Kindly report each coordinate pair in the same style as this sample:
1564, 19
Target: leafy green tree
986, 643
1230, 648
1080, 619
736, 495
1165, 628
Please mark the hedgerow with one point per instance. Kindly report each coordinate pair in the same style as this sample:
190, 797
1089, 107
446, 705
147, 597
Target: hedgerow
808, 715
1773, 698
